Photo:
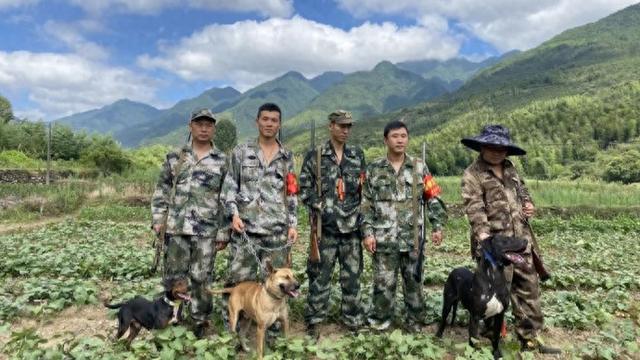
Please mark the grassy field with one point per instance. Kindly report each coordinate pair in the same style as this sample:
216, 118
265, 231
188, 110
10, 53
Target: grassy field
54, 278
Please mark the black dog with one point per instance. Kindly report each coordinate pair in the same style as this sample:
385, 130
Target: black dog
484, 293
158, 314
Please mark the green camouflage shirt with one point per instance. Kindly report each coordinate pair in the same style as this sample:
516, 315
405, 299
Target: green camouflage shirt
388, 204
337, 216
494, 206
256, 191
196, 206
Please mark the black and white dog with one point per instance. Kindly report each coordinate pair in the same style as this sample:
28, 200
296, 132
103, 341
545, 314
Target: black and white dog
484, 293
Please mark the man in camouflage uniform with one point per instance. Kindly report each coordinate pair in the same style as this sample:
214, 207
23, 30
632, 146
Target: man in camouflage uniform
497, 202
394, 192
341, 172
192, 215
260, 199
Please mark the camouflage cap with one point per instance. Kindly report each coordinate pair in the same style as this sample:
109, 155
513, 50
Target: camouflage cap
202, 114
341, 117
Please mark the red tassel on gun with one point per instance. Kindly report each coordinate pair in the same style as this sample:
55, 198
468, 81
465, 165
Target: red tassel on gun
292, 184
431, 188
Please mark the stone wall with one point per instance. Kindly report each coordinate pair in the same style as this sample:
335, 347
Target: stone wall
30, 176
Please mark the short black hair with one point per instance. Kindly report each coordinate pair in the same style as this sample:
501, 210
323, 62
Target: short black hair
269, 107
393, 125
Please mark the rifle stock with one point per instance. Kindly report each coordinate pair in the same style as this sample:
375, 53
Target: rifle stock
538, 264
159, 245
314, 250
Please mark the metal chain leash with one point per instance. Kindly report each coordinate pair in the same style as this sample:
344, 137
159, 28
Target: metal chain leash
253, 249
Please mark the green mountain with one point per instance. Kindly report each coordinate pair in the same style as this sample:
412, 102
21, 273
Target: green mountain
291, 91
366, 94
569, 101
325, 80
454, 71
176, 116
112, 118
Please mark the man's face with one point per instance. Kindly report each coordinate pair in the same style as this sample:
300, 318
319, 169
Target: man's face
397, 140
339, 132
268, 123
494, 155
202, 129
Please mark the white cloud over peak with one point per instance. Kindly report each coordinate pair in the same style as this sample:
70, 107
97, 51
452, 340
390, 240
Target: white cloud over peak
62, 84
248, 52
506, 24
267, 8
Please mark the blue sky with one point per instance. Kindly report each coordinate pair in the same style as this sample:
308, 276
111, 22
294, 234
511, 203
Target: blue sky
65, 56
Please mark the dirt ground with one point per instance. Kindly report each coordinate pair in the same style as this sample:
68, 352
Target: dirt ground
94, 320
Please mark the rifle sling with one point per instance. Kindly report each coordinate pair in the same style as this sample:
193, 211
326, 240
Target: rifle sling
319, 189
414, 203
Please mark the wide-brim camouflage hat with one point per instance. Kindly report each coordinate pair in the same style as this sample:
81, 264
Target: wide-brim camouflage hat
493, 135
202, 114
341, 117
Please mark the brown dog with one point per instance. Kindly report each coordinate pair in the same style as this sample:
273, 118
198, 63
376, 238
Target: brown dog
263, 303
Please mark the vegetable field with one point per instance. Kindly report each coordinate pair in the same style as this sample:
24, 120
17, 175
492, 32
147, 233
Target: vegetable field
55, 276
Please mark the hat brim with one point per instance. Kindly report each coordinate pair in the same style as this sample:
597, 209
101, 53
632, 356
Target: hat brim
204, 117
476, 145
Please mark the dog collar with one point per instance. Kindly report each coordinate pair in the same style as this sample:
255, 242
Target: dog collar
489, 258
171, 303
275, 296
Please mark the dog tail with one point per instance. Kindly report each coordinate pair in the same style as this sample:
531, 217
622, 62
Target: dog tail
220, 291
113, 306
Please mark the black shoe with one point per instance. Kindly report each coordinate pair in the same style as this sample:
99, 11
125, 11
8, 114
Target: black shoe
200, 330
353, 329
412, 327
312, 331
534, 345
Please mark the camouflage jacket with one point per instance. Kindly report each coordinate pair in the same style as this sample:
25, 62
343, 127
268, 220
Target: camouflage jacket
196, 207
256, 191
494, 206
337, 216
388, 204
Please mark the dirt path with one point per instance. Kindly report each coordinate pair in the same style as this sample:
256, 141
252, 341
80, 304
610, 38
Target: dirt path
10, 228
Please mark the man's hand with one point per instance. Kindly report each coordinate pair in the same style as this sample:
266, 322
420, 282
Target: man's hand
528, 209
236, 224
369, 244
436, 237
157, 228
220, 245
292, 235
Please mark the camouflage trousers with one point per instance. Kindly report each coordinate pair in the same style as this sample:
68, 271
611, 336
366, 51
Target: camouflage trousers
192, 257
386, 267
243, 265
347, 249
525, 298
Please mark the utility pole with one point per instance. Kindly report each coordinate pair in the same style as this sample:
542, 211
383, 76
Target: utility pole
48, 178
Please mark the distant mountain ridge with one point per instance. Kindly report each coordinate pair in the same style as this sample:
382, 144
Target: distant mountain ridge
134, 123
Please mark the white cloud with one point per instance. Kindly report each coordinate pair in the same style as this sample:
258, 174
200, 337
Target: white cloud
70, 35
248, 52
506, 24
276, 8
6, 4
62, 84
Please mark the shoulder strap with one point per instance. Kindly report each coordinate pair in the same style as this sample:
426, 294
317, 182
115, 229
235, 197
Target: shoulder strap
319, 171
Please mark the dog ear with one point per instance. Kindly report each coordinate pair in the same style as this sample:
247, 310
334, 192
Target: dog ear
268, 266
